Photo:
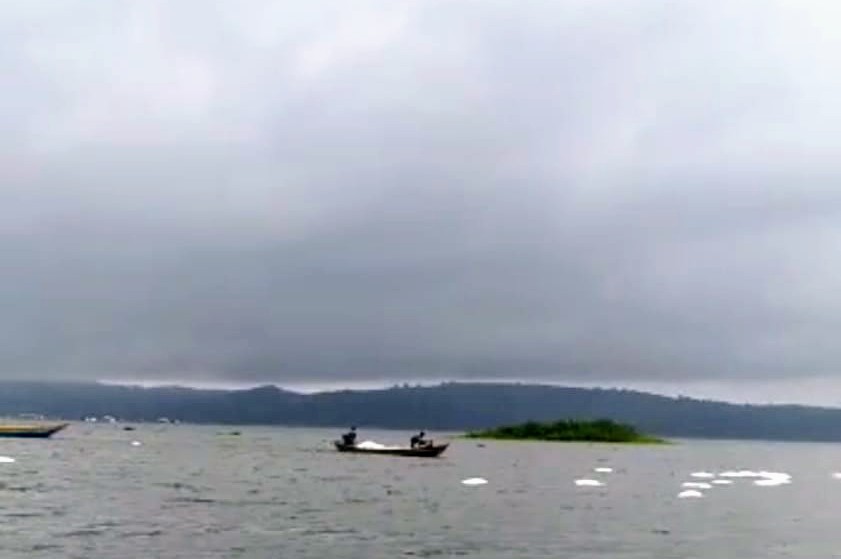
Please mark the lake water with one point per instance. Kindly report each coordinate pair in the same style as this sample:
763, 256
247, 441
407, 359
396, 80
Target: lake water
191, 492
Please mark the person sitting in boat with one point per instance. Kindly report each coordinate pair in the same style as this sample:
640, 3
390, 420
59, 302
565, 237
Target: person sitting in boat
418, 441
349, 438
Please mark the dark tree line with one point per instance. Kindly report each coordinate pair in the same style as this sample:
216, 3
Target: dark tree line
452, 406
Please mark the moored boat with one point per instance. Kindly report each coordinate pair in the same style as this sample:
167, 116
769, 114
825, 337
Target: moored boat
430, 451
31, 431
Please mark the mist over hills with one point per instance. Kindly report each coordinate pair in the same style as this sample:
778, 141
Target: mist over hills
449, 406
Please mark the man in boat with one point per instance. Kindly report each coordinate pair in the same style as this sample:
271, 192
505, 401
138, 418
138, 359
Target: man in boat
418, 440
349, 438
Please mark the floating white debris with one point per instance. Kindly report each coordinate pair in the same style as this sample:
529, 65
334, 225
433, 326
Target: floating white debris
690, 494
474, 481
603, 470
702, 475
836, 475
696, 485
588, 483
136, 443
722, 481
770, 482
770, 479
739, 474
779, 476
7, 460
762, 478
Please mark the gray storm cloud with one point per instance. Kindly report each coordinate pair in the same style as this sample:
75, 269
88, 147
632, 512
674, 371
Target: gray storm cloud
337, 191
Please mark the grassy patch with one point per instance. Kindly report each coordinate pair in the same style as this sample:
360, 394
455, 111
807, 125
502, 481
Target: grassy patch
599, 431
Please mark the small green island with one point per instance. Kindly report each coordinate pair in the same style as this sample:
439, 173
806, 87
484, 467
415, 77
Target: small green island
598, 431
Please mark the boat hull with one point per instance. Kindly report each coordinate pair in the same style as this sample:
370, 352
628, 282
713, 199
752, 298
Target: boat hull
424, 452
30, 431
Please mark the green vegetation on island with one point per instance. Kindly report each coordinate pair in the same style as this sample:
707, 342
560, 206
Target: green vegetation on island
601, 431
447, 407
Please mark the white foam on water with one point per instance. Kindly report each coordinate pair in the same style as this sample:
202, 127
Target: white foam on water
696, 485
702, 475
588, 483
739, 474
136, 443
474, 481
770, 482
762, 478
781, 476
603, 470
7, 460
690, 494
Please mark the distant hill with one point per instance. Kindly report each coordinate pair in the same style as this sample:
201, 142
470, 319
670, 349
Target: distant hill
450, 406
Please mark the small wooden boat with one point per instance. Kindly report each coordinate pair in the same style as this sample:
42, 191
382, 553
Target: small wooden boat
31, 431
430, 451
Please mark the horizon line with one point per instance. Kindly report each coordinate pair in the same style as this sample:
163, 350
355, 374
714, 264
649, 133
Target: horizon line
754, 391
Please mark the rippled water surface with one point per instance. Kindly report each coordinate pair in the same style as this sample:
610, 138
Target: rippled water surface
198, 492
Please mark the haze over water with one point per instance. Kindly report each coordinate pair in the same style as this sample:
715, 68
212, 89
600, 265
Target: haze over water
191, 491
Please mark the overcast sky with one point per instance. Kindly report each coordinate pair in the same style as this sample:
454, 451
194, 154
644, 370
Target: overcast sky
622, 192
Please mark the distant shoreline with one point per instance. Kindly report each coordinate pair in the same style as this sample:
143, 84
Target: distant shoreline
451, 407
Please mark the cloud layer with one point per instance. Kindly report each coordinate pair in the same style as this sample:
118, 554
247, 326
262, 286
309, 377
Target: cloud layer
333, 191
